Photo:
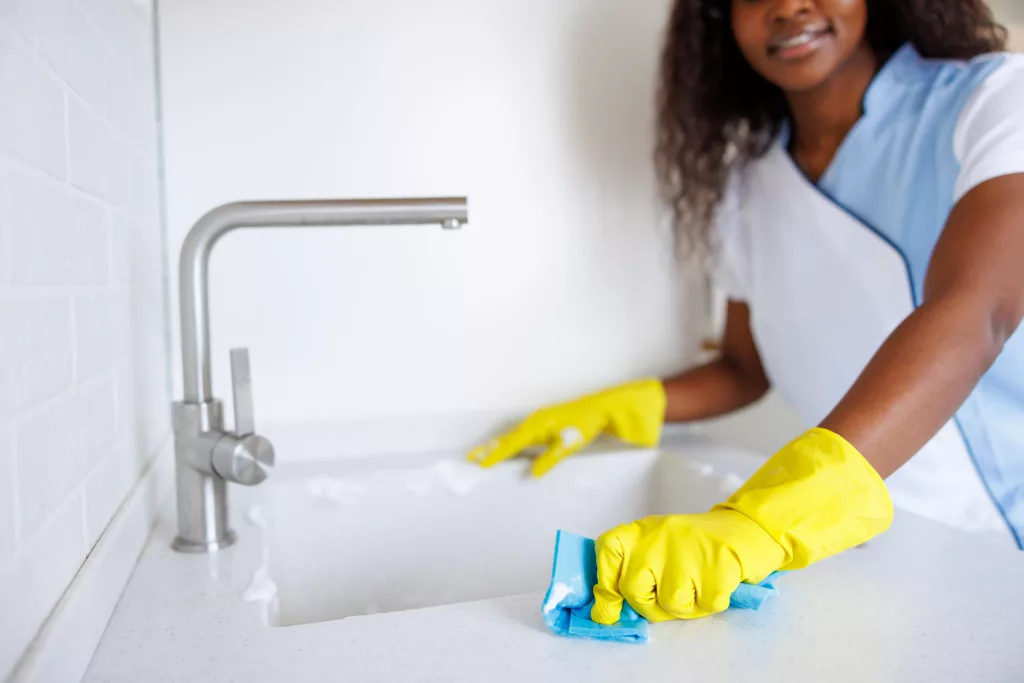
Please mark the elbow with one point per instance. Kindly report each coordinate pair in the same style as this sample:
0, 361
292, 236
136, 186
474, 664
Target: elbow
997, 324
987, 320
750, 379
758, 386
1003, 321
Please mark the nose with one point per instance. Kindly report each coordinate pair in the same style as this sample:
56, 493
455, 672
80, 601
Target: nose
786, 10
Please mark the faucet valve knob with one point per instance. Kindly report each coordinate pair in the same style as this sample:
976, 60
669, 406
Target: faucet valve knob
245, 460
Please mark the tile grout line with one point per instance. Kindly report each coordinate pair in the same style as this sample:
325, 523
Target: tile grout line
42, 176
54, 291
24, 415
73, 308
111, 255
80, 492
26, 47
5, 222
16, 498
29, 49
122, 139
66, 396
67, 140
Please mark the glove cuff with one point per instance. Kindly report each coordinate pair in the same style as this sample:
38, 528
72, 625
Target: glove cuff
816, 497
637, 412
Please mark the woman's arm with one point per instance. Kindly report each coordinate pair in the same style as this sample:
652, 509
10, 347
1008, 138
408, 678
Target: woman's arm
729, 383
973, 302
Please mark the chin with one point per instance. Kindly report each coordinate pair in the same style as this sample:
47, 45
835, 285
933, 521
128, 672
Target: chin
802, 76
802, 81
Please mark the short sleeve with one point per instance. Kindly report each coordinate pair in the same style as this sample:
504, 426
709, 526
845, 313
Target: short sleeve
989, 137
730, 261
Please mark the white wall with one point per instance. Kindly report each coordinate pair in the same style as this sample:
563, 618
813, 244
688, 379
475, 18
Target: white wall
1011, 14
541, 112
83, 360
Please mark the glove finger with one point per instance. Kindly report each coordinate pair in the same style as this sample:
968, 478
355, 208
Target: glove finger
504, 447
639, 587
612, 550
552, 456
714, 593
570, 440
701, 585
611, 555
677, 595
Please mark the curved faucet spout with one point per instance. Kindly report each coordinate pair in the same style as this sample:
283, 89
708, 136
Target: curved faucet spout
449, 212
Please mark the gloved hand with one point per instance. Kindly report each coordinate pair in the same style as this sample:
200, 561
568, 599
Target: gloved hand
813, 499
633, 412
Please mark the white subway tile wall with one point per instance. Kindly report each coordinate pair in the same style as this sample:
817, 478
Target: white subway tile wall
57, 239
32, 118
84, 400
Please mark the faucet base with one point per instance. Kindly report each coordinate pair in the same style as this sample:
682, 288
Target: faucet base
183, 545
202, 508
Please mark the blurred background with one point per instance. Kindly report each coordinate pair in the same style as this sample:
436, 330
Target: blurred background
395, 339
115, 137
1011, 14
539, 112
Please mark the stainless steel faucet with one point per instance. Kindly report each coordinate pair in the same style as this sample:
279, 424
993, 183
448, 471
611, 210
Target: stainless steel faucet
208, 456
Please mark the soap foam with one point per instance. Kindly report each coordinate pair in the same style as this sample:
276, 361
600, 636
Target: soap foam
571, 437
459, 477
702, 468
257, 517
340, 491
558, 593
262, 588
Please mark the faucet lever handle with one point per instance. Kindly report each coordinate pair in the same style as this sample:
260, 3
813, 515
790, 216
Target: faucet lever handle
241, 386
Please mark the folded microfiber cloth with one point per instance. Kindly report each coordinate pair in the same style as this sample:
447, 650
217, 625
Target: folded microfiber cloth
571, 593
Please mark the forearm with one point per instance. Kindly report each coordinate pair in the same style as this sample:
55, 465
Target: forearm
917, 381
717, 388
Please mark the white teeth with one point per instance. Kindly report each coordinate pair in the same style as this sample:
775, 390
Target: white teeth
797, 41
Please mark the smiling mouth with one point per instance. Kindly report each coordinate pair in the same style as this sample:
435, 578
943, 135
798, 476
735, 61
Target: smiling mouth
801, 44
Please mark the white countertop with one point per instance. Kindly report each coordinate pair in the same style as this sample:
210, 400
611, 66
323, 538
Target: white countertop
920, 603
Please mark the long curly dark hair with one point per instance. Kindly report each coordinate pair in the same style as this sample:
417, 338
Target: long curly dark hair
715, 112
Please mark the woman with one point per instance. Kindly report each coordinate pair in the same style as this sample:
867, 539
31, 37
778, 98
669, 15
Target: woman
862, 165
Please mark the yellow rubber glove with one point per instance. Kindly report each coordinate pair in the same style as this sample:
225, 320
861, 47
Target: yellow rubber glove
633, 412
813, 499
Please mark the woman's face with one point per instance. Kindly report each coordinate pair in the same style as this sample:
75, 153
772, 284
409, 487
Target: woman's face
798, 44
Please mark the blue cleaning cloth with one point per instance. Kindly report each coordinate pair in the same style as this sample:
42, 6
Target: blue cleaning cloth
567, 603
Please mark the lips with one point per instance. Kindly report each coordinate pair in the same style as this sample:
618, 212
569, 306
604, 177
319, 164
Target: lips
800, 41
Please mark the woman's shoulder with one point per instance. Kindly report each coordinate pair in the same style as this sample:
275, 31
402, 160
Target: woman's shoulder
998, 70
949, 101
914, 83
988, 139
952, 80
999, 85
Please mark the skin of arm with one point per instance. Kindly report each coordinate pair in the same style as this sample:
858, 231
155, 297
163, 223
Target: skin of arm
973, 301
734, 380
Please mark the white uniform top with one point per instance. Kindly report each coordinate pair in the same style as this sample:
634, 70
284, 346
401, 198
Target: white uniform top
830, 270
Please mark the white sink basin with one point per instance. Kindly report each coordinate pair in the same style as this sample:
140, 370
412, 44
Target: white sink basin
379, 534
